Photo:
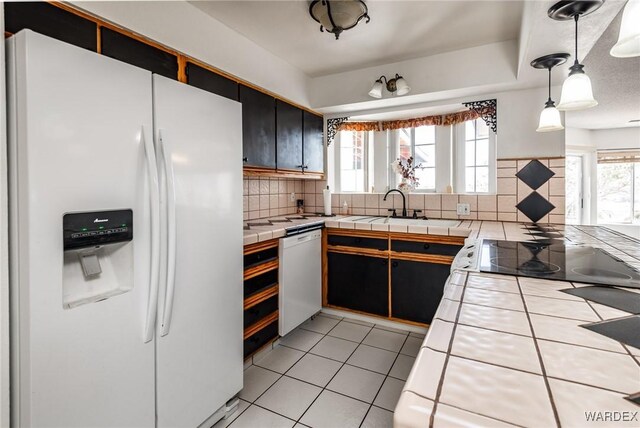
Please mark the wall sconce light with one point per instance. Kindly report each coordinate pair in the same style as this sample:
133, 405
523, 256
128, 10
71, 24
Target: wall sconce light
395, 85
576, 89
550, 116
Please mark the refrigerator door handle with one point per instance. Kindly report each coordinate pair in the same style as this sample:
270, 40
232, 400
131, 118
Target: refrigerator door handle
171, 237
154, 199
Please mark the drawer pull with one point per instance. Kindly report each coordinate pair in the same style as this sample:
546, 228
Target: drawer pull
427, 246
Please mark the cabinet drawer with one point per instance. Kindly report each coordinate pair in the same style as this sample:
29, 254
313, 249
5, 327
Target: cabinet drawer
425, 248
260, 282
259, 311
358, 241
260, 257
256, 340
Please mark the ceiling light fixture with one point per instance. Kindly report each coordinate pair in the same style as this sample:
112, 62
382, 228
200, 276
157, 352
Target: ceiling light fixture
629, 39
335, 16
395, 85
576, 90
550, 116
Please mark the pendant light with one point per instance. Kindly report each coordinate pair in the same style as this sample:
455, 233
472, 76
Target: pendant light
550, 116
629, 39
576, 90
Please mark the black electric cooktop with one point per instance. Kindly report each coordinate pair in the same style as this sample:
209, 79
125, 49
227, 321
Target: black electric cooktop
556, 261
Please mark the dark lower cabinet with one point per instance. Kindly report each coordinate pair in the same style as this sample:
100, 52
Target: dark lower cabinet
358, 282
416, 289
313, 147
258, 128
289, 136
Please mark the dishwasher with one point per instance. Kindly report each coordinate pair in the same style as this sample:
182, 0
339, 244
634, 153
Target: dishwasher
300, 278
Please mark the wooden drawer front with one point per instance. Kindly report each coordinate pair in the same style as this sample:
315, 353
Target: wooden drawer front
256, 340
358, 241
425, 248
260, 282
259, 311
260, 257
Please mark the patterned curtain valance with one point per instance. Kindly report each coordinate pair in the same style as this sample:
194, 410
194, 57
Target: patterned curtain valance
359, 126
413, 123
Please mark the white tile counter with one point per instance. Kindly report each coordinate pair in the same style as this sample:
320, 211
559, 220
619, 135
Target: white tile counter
505, 350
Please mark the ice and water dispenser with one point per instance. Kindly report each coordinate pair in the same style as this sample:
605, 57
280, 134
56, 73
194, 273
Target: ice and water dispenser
98, 256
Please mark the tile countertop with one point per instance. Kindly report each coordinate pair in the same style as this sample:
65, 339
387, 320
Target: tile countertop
505, 350
259, 230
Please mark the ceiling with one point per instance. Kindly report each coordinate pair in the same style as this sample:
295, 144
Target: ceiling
615, 84
409, 113
399, 30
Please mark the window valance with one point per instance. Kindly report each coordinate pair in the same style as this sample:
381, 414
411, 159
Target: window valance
619, 156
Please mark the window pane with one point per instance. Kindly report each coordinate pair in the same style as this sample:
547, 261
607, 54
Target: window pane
426, 178
482, 152
636, 203
426, 155
615, 201
469, 179
426, 135
482, 130
482, 179
573, 187
404, 143
470, 153
469, 130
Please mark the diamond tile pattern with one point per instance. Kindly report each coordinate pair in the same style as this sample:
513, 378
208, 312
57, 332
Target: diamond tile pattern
535, 174
535, 206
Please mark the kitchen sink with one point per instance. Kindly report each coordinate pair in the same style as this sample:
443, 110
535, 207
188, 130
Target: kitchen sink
403, 221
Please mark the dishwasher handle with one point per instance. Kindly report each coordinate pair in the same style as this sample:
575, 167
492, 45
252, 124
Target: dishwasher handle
292, 241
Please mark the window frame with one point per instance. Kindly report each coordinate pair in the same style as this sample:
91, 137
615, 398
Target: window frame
365, 162
459, 160
394, 153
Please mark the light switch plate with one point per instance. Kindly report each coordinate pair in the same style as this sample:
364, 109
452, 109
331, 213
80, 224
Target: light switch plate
463, 209
292, 197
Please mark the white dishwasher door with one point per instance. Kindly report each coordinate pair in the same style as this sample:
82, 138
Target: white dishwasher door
300, 278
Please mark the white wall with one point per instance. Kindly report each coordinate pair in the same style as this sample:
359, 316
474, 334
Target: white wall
619, 138
183, 27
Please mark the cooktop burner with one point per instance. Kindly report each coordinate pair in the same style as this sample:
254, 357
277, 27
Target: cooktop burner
552, 259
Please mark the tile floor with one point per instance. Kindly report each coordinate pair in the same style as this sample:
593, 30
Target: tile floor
330, 372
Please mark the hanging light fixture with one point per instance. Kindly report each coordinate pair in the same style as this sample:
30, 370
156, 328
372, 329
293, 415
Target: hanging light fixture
335, 16
629, 38
550, 116
576, 90
396, 85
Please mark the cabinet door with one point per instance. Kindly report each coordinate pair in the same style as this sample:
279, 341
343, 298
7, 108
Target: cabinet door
416, 289
288, 136
313, 151
211, 82
258, 128
51, 21
358, 282
135, 52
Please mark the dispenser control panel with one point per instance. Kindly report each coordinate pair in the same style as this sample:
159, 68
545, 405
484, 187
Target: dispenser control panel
97, 228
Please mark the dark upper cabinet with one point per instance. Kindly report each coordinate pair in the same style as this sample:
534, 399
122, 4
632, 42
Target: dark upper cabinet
258, 128
313, 151
51, 21
288, 136
416, 289
135, 52
211, 82
358, 282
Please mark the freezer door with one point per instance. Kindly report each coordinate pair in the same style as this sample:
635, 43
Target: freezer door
76, 123
199, 346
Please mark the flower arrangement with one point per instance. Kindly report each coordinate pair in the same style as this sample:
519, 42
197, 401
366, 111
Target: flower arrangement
407, 169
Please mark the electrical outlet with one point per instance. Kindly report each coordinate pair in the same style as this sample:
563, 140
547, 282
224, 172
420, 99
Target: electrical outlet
463, 209
292, 197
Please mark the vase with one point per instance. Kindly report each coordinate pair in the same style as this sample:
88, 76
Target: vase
405, 186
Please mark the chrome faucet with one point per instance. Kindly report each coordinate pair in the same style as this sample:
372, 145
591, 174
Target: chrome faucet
404, 202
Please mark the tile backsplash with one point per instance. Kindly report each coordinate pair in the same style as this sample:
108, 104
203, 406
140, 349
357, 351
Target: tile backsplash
270, 197
502, 206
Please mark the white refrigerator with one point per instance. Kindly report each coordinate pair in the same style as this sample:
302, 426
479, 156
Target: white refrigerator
126, 242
